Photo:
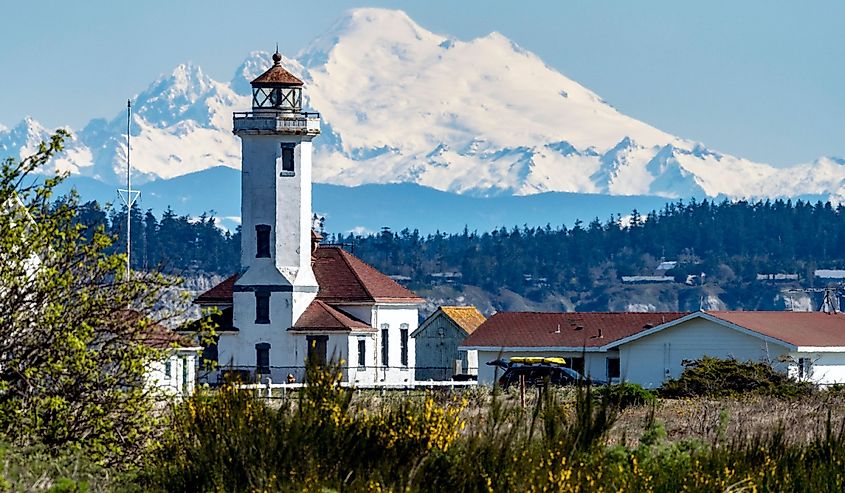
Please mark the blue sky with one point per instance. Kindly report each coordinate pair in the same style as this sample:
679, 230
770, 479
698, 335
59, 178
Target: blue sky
759, 79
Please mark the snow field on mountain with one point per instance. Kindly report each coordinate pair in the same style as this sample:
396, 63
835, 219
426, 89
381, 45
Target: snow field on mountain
402, 104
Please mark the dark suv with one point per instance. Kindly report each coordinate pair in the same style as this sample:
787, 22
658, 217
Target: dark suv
536, 375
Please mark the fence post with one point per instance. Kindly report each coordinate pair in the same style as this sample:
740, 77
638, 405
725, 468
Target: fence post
269, 395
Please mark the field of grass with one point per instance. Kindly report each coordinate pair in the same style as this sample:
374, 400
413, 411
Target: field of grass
328, 439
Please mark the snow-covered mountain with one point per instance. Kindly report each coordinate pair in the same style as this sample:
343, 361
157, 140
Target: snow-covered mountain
401, 104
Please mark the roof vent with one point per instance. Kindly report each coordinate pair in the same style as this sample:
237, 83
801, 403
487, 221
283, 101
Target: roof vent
579, 327
600, 336
647, 326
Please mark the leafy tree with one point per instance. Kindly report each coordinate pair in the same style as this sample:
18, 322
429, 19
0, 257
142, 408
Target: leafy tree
75, 341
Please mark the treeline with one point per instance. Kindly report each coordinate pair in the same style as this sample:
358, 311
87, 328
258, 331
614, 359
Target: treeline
728, 241
173, 244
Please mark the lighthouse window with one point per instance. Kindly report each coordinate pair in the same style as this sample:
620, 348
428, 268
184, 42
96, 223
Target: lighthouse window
262, 241
262, 358
262, 308
287, 159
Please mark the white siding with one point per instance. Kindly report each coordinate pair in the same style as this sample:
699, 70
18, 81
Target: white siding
650, 360
827, 368
182, 378
394, 316
367, 374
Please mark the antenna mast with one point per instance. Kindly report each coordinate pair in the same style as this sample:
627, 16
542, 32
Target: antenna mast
128, 196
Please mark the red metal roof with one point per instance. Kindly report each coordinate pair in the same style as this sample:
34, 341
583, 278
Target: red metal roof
154, 335
220, 294
321, 316
815, 329
342, 278
576, 330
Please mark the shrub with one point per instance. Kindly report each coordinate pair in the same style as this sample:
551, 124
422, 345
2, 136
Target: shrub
712, 377
624, 395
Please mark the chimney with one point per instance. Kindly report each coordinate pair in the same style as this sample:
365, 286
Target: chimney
315, 242
601, 336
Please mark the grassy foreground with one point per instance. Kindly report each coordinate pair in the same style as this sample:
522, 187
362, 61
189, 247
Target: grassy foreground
324, 440
477, 440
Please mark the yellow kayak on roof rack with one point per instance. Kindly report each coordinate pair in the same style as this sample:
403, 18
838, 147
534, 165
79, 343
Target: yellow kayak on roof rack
536, 360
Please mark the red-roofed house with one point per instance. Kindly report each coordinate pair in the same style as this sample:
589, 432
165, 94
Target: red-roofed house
580, 338
648, 348
292, 299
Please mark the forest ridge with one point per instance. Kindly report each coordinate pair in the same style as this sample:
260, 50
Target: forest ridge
731, 242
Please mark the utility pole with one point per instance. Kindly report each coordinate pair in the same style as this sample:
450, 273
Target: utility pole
127, 195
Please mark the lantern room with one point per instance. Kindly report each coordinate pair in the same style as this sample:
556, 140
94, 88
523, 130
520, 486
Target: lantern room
277, 90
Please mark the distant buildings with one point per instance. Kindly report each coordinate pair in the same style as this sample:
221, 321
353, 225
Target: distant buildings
832, 274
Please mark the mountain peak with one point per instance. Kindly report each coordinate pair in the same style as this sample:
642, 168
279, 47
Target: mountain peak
372, 27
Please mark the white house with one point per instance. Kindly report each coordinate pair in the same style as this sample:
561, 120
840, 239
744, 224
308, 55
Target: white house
580, 338
175, 373
648, 348
437, 340
294, 299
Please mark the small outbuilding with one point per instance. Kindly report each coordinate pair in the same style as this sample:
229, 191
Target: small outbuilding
437, 340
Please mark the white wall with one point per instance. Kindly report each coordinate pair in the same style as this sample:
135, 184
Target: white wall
369, 373
827, 368
238, 349
650, 360
182, 378
393, 316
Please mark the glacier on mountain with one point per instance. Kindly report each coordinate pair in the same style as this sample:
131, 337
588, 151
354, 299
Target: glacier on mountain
402, 104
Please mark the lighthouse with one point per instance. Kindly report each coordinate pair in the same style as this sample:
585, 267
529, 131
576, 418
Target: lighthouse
277, 282
294, 301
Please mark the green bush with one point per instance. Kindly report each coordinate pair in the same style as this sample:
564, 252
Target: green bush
712, 377
625, 394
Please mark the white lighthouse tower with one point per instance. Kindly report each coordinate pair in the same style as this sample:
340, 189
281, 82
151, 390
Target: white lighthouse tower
277, 282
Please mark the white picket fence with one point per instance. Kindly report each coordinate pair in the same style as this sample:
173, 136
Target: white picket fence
270, 390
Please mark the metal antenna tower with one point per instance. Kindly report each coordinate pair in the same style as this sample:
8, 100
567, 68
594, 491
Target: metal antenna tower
127, 195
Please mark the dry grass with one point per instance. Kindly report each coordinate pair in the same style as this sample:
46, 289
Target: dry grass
705, 419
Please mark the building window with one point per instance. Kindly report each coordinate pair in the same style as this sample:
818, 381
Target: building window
262, 241
362, 352
805, 368
576, 364
262, 307
317, 350
287, 159
385, 360
612, 368
262, 358
185, 376
210, 355
403, 339
168, 369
